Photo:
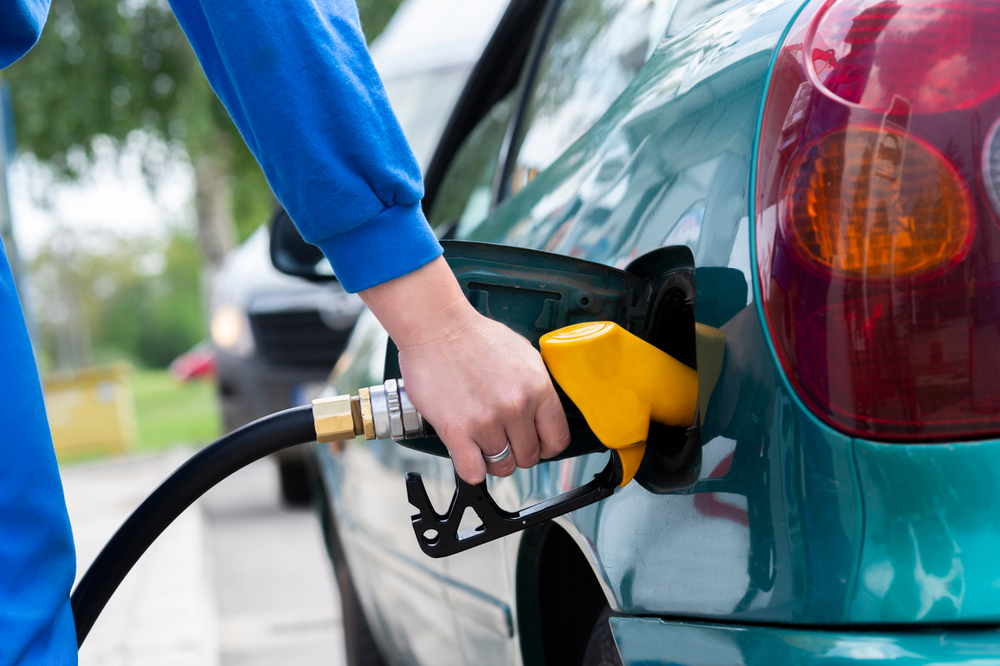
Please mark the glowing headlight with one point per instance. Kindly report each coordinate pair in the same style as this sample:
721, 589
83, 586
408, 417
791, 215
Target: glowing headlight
231, 330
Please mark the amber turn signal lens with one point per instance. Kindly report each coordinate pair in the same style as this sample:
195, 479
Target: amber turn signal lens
871, 202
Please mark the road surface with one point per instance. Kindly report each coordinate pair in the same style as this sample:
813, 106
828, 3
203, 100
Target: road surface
237, 580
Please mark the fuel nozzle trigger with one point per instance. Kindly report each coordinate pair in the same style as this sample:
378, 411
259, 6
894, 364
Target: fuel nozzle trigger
439, 535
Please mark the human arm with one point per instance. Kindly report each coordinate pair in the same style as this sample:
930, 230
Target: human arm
337, 160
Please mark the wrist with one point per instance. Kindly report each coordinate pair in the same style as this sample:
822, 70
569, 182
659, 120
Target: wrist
421, 307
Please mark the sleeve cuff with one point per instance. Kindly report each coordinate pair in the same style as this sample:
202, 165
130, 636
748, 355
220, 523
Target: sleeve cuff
395, 242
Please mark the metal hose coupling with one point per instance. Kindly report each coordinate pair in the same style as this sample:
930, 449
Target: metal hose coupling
377, 412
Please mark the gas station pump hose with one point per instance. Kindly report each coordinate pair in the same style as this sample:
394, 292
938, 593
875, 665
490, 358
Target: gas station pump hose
179, 491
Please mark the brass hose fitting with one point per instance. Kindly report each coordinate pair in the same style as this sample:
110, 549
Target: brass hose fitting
335, 418
377, 412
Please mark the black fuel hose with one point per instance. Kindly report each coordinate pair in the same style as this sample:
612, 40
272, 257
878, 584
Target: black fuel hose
179, 491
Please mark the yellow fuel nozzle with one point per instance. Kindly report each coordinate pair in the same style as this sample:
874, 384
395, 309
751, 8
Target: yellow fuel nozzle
620, 383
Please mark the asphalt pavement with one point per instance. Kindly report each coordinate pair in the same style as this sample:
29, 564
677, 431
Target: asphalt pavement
238, 580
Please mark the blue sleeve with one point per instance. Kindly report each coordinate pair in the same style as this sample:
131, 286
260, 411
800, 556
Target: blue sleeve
21, 24
37, 559
298, 81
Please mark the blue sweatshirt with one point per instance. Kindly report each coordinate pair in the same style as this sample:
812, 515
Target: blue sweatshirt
299, 83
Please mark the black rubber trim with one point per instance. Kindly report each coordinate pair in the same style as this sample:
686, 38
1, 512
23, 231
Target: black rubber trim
512, 140
495, 74
179, 491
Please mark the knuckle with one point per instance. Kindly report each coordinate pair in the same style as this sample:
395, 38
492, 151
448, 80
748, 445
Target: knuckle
556, 446
454, 431
487, 418
492, 450
517, 402
552, 402
529, 460
543, 384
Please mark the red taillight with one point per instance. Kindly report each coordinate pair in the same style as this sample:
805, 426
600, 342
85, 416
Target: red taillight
939, 55
879, 262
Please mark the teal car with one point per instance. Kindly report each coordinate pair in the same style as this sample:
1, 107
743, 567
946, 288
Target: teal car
818, 183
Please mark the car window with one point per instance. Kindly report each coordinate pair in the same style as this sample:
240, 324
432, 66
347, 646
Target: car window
594, 49
466, 190
422, 102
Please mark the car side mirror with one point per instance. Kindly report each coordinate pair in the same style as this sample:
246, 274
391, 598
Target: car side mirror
292, 255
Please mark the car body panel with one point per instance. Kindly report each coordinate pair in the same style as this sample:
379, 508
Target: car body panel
653, 642
931, 533
688, 143
783, 520
670, 163
366, 494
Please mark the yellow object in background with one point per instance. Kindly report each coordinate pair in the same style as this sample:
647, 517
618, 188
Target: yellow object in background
620, 383
91, 411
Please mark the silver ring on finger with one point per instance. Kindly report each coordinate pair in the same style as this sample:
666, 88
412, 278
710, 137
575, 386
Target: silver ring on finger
498, 457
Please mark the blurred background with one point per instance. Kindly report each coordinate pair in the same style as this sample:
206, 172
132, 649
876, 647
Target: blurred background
136, 224
126, 186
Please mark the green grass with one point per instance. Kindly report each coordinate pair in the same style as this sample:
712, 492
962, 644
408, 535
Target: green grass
170, 413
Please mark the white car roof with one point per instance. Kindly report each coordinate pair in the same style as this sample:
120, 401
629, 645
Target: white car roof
424, 35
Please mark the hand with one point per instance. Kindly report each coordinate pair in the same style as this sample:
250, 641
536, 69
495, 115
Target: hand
477, 382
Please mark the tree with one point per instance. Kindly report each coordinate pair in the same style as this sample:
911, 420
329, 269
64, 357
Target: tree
112, 68
108, 298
